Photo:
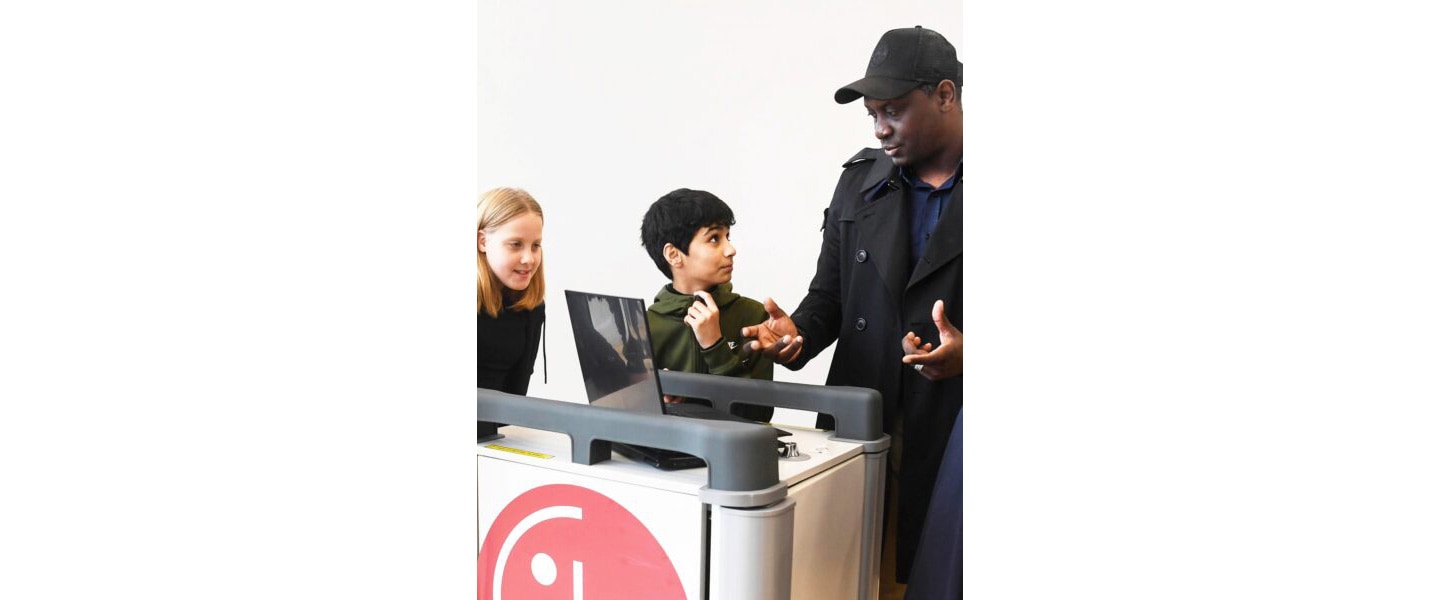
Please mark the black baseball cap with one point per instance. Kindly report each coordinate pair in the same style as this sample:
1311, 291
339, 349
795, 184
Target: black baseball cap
902, 61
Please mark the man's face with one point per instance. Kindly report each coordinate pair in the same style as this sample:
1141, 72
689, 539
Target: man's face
908, 127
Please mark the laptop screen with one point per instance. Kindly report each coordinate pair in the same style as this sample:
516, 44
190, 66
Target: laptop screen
612, 338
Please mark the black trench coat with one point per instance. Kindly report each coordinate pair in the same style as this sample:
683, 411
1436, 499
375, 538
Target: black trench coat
865, 296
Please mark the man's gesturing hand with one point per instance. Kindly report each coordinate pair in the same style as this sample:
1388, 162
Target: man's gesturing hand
776, 337
936, 363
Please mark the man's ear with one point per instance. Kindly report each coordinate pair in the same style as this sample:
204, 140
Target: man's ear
946, 92
673, 255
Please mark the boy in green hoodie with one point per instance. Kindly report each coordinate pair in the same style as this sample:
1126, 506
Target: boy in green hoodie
695, 321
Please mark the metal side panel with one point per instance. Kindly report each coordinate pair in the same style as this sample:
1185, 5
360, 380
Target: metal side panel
751, 551
830, 545
875, 465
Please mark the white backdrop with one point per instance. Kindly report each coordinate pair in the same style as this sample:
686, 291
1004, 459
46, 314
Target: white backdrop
598, 109
1205, 338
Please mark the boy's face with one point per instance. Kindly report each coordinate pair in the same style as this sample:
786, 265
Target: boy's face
709, 263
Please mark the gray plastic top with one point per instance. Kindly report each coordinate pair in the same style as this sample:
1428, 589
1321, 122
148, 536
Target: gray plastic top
741, 457
857, 410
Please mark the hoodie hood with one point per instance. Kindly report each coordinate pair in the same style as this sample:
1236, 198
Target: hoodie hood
672, 303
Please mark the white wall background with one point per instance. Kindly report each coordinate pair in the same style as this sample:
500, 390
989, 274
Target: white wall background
237, 338
598, 109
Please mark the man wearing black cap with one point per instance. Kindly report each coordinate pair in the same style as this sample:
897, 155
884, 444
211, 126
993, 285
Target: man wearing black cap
887, 284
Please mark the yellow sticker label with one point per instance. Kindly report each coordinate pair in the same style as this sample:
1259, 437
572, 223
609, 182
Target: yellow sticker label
518, 451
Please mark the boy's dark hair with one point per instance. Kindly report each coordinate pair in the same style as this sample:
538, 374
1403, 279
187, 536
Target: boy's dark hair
674, 219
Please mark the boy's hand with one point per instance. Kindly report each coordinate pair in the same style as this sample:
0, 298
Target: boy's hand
940, 363
704, 319
777, 337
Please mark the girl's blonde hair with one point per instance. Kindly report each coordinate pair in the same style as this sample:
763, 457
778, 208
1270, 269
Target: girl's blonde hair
496, 208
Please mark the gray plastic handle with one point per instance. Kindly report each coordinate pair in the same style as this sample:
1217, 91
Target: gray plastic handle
857, 410
740, 456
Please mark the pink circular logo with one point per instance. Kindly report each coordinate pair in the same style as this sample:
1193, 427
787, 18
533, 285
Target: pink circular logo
565, 542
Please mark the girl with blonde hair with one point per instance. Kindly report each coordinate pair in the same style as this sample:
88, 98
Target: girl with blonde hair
510, 297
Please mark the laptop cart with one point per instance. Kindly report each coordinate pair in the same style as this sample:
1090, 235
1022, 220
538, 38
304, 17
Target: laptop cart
561, 517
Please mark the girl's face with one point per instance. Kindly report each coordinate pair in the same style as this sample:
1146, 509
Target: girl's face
513, 250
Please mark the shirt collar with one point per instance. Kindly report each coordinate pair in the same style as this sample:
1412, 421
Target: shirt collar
878, 188
917, 183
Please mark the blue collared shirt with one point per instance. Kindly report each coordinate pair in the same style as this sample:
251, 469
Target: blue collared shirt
926, 204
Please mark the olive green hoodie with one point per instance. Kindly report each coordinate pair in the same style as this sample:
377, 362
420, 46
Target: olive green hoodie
677, 349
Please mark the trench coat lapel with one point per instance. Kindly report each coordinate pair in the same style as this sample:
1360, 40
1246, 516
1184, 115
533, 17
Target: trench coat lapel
944, 244
884, 237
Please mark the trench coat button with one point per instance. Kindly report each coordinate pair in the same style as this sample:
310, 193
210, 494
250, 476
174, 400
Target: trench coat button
860, 324
861, 256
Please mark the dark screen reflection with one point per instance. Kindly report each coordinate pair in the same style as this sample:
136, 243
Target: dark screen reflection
614, 347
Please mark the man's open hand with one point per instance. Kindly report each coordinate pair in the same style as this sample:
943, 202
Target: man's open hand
776, 337
934, 363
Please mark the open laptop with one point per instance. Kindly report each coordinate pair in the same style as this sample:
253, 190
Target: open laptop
612, 338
